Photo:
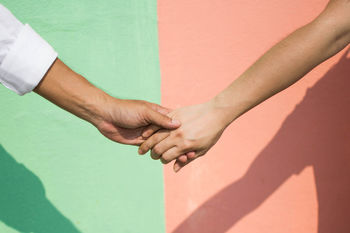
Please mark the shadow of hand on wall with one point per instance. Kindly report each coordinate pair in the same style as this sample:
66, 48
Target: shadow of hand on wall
23, 204
317, 134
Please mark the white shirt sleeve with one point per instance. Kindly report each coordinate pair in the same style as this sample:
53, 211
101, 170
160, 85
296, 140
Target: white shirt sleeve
24, 56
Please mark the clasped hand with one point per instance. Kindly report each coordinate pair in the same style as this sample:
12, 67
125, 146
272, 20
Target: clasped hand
182, 135
201, 127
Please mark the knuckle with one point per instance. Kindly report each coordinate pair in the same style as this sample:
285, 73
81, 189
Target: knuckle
179, 133
186, 144
182, 159
154, 156
191, 156
166, 158
145, 147
164, 161
158, 132
156, 150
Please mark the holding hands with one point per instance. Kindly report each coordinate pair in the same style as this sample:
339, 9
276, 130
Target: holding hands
124, 121
281, 66
119, 120
189, 132
201, 127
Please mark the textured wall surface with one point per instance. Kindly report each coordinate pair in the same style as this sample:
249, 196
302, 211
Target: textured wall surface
57, 174
282, 167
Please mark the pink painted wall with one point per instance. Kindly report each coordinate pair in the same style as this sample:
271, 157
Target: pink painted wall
282, 167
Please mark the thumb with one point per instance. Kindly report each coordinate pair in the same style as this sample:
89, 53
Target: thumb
162, 120
161, 109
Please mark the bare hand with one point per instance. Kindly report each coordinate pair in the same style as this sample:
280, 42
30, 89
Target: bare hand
124, 121
202, 126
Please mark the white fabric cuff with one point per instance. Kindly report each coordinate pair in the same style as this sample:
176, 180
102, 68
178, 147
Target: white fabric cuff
27, 62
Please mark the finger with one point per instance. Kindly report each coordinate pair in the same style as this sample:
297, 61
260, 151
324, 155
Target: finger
152, 141
191, 155
156, 118
170, 155
182, 158
178, 165
165, 161
161, 109
163, 147
148, 131
131, 142
187, 156
125, 136
155, 156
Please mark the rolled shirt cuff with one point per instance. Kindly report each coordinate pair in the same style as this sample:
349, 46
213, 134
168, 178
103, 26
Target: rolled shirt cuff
27, 62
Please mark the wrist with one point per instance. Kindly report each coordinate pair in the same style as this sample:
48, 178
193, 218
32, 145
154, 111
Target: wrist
225, 114
74, 93
95, 109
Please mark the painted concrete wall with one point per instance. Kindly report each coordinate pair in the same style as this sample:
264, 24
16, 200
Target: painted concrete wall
284, 166
57, 173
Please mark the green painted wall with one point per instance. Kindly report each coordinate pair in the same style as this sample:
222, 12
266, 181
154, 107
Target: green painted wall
57, 173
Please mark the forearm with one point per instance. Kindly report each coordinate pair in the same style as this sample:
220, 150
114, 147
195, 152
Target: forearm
72, 92
122, 121
284, 64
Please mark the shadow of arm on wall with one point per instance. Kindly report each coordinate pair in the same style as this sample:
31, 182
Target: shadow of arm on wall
23, 204
316, 133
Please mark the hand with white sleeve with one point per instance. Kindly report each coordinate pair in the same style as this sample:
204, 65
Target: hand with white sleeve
28, 62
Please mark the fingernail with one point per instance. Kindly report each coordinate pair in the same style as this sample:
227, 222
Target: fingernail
140, 152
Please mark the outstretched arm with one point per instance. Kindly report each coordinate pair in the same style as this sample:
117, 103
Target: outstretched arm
28, 62
122, 121
280, 67
289, 60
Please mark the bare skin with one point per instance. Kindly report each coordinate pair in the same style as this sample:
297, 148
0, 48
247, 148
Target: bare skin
122, 121
281, 66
